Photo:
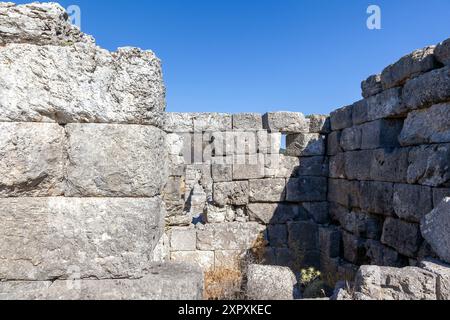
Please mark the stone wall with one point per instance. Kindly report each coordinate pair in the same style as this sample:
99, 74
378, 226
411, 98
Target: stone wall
389, 160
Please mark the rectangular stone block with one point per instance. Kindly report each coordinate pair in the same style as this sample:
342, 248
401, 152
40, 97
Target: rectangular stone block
403, 236
231, 193
286, 122
351, 138
361, 224
281, 166
431, 88
175, 122
381, 255
276, 213
101, 238
442, 272
382, 133
333, 143
428, 165
317, 211
303, 236
408, 67
319, 124
222, 172
371, 86
341, 118
390, 165
312, 166
442, 52
115, 160
330, 242
358, 164
426, 126
202, 259
247, 121
246, 142
267, 190
337, 166
307, 189
412, 202
305, 144
278, 235
31, 160
377, 197
249, 167
212, 122
354, 249
229, 236
268, 142
346, 193
183, 239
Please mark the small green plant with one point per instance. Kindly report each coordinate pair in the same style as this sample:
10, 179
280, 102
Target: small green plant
307, 276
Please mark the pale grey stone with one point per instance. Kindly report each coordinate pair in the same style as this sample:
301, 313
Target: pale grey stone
358, 164
382, 133
79, 83
376, 197
281, 166
161, 253
305, 144
435, 229
169, 281
183, 239
231, 193
389, 165
430, 125
179, 122
268, 142
337, 166
428, 165
439, 195
381, 255
442, 52
312, 166
101, 238
351, 138
31, 160
286, 122
247, 121
412, 202
410, 66
333, 143
267, 190
204, 122
249, 167
442, 272
386, 283
222, 172
38, 23
275, 213
115, 160
306, 189
270, 283
344, 192
229, 236
371, 86
319, 124
342, 118
361, 224
403, 236
428, 89
202, 259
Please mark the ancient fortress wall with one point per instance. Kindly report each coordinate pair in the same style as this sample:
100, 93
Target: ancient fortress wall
99, 184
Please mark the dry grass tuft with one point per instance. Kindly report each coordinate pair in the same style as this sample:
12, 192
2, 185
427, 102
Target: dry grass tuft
223, 284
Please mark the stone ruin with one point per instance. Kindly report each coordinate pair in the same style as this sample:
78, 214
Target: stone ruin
104, 195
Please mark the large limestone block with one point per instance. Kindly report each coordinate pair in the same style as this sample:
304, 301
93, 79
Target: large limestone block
229, 236
386, 283
442, 272
178, 122
306, 189
412, 202
344, 192
428, 165
115, 160
249, 167
341, 118
361, 224
160, 282
428, 89
442, 52
31, 159
376, 197
410, 66
403, 236
275, 213
212, 122
267, 190
304, 145
38, 23
371, 86
202, 259
435, 228
51, 238
247, 121
427, 126
271, 283
381, 255
390, 164
79, 83
231, 193
319, 124
286, 122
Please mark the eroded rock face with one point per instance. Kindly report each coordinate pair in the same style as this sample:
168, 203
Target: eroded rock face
271, 283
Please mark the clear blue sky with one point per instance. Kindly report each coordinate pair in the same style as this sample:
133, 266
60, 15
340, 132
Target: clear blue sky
265, 55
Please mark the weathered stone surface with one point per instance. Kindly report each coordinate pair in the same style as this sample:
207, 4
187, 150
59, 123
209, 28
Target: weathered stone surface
381, 255
218, 215
361, 224
115, 160
346, 193
40, 24
402, 236
286, 122
183, 239
435, 229
229, 236
333, 143
222, 172
281, 166
439, 195
377, 197
178, 122
102, 238
249, 167
428, 165
307, 189
382, 133
303, 236
430, 125
337, 166
160, 282
342, 118
161, 253
79, 83
270, 283
389, 165
204, 122
386, 283
305, 144
202, 259
319, 124
442, 52
428, 89
317, 211
442, 272
267, 190
275, 213
357, 164
330, 242
247, 121
351, 138
31, 159
268, 142
410, 66
246, 142
412, 202
278, 236
354, 248
311, 166
371, 86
